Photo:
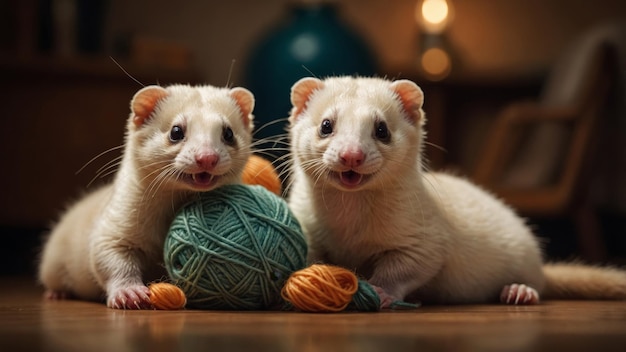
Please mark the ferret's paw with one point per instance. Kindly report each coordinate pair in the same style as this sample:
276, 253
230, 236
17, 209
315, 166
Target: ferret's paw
385, 299
131, 297
519, 294
56, 295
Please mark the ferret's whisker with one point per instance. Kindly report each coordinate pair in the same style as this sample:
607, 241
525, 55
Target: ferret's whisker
98, 156
126, 72
269, 124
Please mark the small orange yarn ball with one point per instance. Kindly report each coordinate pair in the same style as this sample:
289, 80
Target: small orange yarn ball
321, 288
259, 171
165, 296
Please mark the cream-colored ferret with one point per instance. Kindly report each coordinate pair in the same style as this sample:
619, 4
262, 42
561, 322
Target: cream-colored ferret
365, 203
180, 140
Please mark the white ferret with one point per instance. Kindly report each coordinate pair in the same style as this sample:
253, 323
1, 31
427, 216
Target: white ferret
365, 203
180, 140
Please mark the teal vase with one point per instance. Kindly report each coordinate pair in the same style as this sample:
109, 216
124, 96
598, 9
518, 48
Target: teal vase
311, 41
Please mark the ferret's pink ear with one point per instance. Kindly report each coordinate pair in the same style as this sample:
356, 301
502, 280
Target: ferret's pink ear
245, 101
144, 102
301, 93
411, 97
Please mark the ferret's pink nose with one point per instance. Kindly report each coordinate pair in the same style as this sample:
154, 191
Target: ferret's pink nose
352, 157
207, 161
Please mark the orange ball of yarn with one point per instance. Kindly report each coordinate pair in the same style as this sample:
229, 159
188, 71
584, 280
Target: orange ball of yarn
166, 296
259, 171
320, 288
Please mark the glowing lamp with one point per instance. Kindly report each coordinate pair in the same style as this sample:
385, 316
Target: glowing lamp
433, 15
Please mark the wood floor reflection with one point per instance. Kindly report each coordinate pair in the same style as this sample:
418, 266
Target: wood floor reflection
29, 323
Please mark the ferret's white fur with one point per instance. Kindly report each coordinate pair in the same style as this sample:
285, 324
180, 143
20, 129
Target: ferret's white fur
413, 234
110, 243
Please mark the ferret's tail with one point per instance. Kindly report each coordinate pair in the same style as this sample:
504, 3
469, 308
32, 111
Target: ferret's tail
579, 281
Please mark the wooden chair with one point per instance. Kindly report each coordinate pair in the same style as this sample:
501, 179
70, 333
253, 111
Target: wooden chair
539, 156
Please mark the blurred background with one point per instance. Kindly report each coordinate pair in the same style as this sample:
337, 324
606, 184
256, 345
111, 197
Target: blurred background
524, 97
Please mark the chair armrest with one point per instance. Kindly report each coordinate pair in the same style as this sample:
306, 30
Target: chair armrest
497, 148
526, 112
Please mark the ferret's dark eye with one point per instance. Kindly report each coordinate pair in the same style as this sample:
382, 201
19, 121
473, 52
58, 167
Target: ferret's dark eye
382, 132
228, 135
326, 128
177, 134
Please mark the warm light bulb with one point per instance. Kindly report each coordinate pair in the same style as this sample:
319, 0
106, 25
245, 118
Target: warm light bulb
433, 15
436, 63
435, 11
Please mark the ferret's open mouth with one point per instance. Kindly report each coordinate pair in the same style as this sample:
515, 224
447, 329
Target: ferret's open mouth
201, 180
350, 178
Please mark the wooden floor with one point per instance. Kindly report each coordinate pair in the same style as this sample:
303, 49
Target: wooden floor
28, 323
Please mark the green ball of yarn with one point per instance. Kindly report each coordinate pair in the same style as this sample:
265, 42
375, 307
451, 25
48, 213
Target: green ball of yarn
233, 248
